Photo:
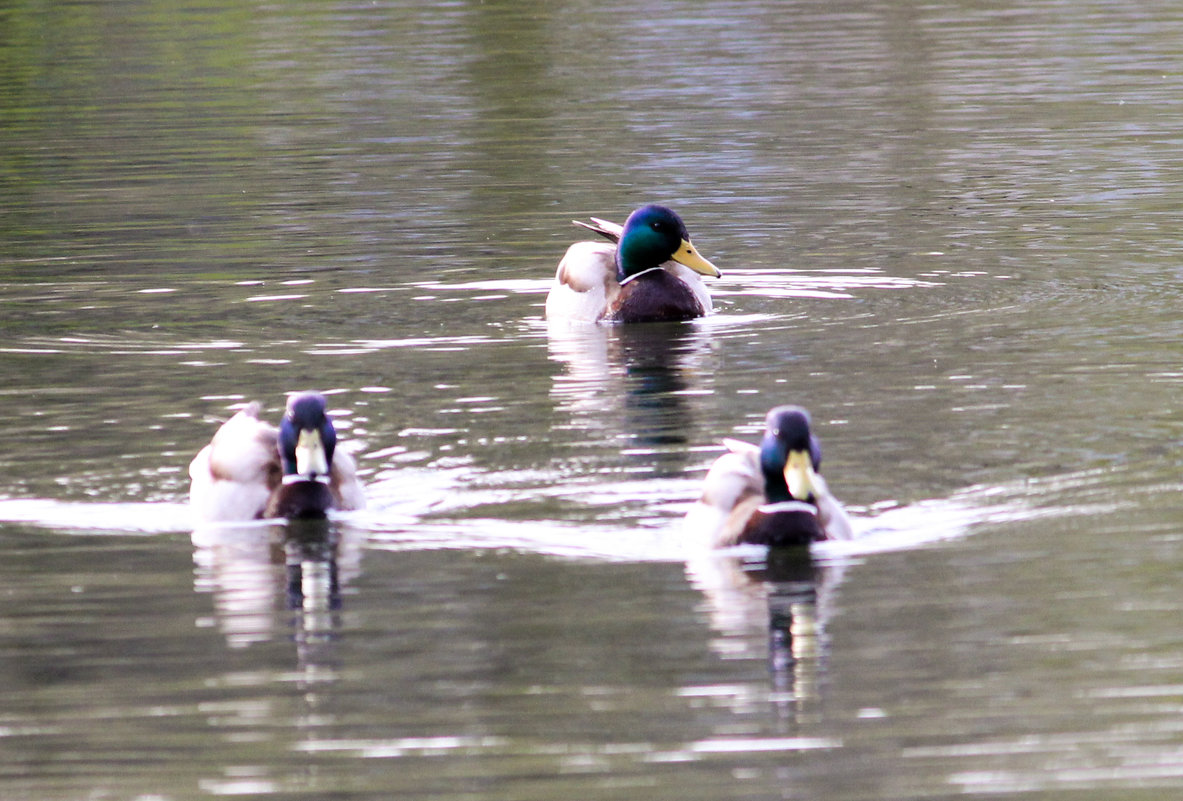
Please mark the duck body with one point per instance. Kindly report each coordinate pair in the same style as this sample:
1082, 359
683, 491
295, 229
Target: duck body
770, 494
252, 470
785, 524
648, 271
305, 499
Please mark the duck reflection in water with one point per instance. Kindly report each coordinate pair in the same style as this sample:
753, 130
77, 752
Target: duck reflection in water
261, 573
773, 605
313, 588
653, 367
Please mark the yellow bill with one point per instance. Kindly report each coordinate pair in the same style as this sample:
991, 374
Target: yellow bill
688, 256
310, 454
799, 475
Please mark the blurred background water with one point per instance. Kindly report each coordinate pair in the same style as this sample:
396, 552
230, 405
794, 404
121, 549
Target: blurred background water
949, 229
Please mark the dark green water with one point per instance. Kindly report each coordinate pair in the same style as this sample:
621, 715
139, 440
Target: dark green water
950, 230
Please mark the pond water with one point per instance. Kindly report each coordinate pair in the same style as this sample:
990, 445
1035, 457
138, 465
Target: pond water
948, 229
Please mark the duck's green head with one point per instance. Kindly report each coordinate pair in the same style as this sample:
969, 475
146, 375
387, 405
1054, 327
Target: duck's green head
653, 235
789, 455
307, 438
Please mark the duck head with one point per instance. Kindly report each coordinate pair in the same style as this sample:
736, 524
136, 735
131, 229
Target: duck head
307, 439
790, 456
653, 235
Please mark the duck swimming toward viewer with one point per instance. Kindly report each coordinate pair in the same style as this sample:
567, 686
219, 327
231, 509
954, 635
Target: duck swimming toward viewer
648, 271
251, 470
770, 494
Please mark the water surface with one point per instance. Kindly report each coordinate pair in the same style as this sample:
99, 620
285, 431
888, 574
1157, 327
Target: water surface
946, 229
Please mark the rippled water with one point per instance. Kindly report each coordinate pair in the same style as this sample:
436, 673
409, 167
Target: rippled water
947, 229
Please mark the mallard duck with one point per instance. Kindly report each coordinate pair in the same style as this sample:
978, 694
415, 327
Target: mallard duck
771, 494
652, 273
252, 470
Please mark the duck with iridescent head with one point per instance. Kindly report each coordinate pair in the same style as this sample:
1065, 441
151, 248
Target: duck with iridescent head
772, 493
251, 470
648, 271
